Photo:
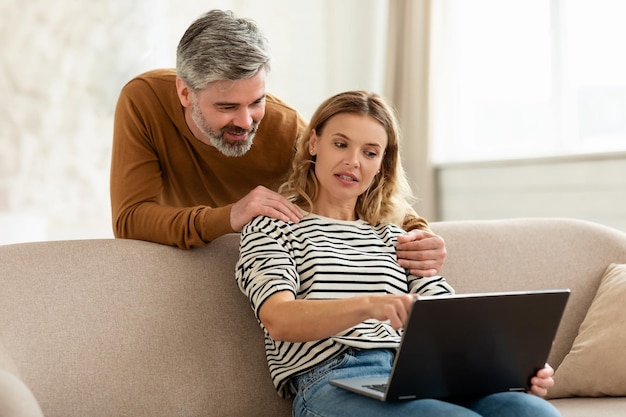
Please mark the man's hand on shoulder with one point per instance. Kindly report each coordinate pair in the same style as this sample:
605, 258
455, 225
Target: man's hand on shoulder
421, 252
262, 201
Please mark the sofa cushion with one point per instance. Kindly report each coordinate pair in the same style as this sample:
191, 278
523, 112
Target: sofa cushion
590, 407
596, 364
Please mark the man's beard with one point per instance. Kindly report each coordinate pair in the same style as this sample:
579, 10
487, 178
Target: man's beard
225, 146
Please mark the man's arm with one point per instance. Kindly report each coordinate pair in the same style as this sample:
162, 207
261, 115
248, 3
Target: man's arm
136, 184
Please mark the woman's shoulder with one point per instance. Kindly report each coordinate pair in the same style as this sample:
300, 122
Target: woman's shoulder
389, 229
269, 226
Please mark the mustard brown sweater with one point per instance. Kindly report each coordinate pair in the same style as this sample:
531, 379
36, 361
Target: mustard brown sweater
167, 186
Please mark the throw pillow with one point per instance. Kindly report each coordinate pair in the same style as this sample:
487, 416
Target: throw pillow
596, 364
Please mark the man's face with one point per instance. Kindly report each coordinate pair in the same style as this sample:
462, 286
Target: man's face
226, 114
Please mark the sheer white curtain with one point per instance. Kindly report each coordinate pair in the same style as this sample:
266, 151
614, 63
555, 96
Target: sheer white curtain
407, 86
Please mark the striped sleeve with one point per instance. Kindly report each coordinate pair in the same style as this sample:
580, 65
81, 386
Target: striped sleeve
265, 266
436, 285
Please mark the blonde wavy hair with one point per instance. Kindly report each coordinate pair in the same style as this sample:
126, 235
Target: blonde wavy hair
388, 198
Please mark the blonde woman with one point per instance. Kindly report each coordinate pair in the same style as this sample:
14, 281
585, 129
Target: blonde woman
328, 291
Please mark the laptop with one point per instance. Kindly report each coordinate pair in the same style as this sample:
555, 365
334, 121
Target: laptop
466, 345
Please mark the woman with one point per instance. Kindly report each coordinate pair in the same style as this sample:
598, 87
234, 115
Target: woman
328, 292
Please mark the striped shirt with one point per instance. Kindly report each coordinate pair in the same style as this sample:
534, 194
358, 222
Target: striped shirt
323, 258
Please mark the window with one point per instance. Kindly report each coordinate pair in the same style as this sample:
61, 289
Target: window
527, 78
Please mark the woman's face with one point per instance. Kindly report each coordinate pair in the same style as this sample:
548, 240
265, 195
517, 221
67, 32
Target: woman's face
349, 152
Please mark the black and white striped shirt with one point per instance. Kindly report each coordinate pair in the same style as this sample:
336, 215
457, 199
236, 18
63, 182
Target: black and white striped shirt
323, 258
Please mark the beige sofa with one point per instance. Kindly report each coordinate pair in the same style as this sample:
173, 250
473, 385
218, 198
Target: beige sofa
106, 328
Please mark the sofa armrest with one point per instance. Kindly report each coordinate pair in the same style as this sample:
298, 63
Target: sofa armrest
16, 399
6, 362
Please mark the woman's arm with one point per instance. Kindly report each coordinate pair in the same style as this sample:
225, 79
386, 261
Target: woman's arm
291, 320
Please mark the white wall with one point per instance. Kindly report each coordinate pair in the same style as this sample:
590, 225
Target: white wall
585, 187
63, 63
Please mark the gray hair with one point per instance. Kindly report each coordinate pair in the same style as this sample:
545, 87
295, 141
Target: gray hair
219, 46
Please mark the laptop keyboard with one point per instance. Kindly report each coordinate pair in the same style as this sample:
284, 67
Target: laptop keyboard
377, 387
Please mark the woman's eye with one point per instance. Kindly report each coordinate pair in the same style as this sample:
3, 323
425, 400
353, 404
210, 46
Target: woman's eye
370, 154
340, 144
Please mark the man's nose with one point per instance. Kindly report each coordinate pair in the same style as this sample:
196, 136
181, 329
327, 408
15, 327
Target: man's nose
243, 118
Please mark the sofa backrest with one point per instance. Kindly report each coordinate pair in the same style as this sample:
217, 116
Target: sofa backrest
110, 327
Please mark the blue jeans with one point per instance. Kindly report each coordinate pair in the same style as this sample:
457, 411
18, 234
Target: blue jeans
317, 398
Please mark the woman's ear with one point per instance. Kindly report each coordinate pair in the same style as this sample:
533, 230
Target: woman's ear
313, 139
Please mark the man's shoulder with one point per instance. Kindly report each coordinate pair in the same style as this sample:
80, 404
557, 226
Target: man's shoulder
161, 74
156, 79
276, 102
279, 113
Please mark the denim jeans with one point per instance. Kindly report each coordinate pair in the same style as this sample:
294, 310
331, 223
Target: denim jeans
317, 398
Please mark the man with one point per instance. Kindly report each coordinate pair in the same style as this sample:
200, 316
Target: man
198, 152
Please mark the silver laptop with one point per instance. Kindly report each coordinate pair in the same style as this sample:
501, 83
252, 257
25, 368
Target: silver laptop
466, 345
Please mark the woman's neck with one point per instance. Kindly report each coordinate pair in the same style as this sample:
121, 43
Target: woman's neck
344, 212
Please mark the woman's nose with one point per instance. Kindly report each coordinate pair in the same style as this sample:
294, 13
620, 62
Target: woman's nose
352, 159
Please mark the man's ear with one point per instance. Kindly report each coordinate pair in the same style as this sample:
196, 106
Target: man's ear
183, 91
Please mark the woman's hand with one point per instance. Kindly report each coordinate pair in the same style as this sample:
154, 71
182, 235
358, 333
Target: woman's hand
542, 381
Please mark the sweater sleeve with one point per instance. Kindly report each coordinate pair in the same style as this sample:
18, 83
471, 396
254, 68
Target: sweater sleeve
265, 265
136, 184
436, 285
